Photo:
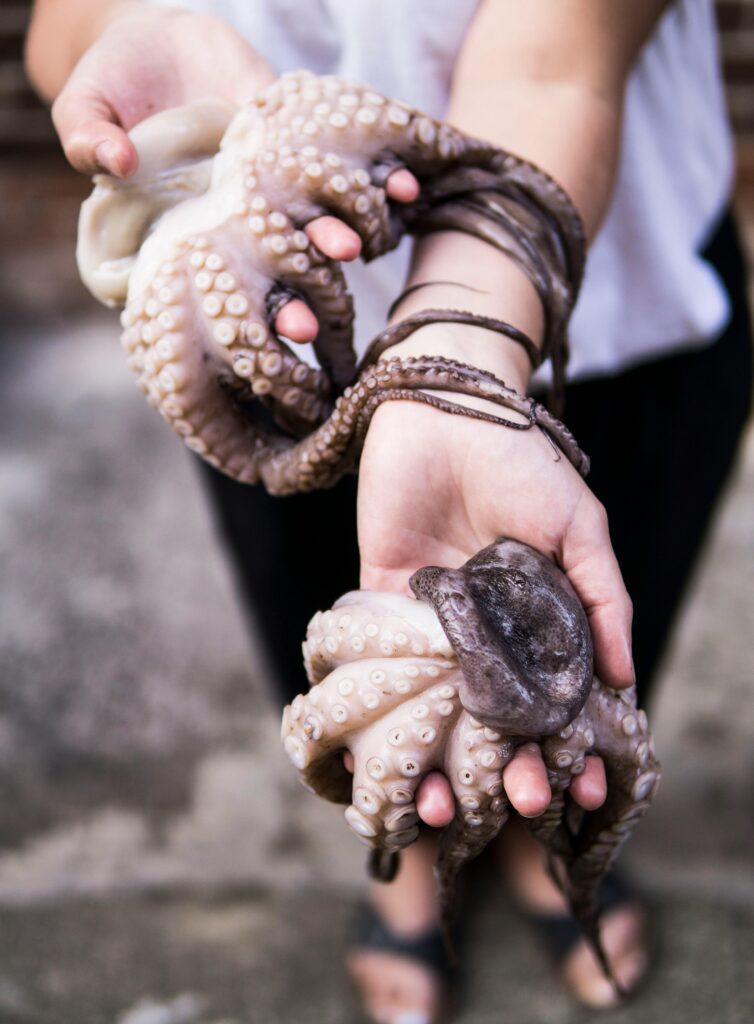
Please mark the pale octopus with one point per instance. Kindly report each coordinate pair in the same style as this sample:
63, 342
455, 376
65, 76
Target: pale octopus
489, 656
204, 244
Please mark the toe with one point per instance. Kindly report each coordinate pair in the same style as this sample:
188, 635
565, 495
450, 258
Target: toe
624, 938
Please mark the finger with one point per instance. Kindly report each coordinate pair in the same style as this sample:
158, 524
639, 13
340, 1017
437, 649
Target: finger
434, 800
402, 186
297, 322
348, 761
592, 568
90, 138
590, 788
334, 238
525, 781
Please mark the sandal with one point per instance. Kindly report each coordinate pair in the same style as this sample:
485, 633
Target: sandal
561, 936
370, 933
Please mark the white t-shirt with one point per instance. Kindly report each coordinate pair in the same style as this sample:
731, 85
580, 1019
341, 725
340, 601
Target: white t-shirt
647, 291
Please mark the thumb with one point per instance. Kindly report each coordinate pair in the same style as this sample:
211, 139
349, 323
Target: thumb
593, 571
91, 137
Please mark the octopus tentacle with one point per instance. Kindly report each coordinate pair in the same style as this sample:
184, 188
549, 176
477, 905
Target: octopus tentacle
365, 624
475, 757
319, 459
633, 774
402, 749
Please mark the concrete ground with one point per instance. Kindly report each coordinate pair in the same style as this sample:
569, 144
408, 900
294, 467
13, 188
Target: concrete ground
159, 863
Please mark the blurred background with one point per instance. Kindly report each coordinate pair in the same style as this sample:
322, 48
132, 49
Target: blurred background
159, 864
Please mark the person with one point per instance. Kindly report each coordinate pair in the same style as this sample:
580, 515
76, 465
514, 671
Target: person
622, 105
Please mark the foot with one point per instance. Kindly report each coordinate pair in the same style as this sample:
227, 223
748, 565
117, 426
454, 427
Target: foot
397, 989
623, 927
624, 937
398, 960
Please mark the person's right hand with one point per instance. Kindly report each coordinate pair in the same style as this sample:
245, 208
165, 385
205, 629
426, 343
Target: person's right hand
147, 59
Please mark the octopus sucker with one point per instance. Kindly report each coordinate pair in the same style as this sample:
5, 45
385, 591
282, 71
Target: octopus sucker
484, 658
205, 244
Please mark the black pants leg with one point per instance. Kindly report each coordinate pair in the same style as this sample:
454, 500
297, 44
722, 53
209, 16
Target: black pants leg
293, 557
662, 439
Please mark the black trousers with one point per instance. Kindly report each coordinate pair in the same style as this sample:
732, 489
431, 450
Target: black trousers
662, 438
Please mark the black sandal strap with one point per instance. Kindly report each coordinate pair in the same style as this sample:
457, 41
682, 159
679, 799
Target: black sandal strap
429, 948
560, 933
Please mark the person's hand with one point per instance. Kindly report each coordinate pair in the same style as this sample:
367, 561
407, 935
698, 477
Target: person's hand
435, 488
148, 59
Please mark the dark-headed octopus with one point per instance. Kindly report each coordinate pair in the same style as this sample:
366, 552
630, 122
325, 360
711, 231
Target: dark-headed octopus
487, 657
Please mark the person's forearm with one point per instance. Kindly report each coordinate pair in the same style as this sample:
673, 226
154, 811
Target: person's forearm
571, 133
546, 81
59, 34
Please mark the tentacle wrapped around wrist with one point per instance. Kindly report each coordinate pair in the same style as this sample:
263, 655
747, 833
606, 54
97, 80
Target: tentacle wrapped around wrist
204, 244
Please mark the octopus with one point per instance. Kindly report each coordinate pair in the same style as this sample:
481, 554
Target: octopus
481, 660
205, 243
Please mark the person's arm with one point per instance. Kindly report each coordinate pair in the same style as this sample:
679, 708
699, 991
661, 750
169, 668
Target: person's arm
545, 81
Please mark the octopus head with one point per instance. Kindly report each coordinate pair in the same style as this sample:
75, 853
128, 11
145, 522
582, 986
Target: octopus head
520, 634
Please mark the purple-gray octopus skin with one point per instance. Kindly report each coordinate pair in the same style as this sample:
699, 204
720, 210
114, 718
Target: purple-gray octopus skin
492, 655
204, 243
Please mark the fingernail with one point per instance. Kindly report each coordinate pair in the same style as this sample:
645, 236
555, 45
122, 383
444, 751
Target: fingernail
412, 1017
105, 155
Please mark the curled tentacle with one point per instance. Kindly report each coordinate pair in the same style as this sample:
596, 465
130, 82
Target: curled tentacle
475, 757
